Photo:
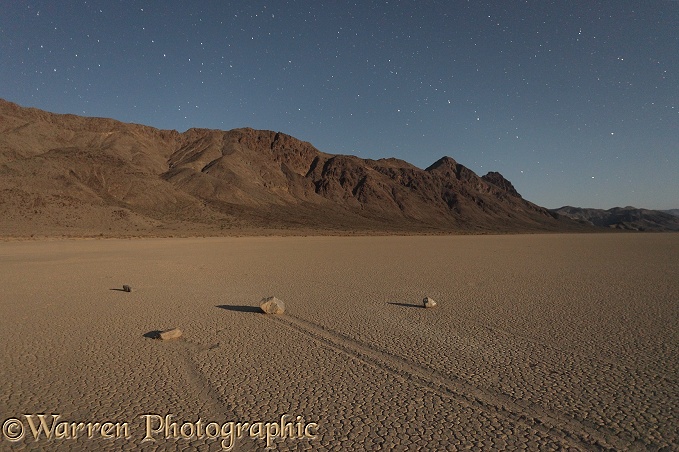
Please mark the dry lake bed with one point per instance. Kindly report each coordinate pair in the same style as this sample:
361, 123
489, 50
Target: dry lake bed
543, 342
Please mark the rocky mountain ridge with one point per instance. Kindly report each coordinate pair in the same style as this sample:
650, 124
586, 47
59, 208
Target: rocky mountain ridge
624, 218
72, 175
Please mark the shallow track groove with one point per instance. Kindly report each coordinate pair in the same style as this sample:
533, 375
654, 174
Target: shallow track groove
566, 429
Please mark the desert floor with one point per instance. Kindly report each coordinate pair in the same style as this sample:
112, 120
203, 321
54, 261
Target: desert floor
538, 342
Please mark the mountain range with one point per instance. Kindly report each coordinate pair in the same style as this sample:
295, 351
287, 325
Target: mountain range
68, 175
625, 218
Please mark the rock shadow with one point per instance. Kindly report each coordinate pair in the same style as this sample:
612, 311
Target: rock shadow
155, 334
240, 308
407, 305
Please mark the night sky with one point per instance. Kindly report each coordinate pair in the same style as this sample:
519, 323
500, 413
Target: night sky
574, 101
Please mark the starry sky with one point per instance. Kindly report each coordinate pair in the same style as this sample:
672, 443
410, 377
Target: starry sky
574, 101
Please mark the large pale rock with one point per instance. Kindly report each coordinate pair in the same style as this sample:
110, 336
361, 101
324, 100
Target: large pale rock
429, 302
272, 305
174, 333
127, 288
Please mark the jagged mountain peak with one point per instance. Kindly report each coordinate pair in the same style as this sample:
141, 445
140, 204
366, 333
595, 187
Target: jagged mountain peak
499, 180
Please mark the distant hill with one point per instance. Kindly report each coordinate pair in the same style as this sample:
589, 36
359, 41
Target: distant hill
674, 212
71, 175
628, 218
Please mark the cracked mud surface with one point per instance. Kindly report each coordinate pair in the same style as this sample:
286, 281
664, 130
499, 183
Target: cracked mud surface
539, 341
